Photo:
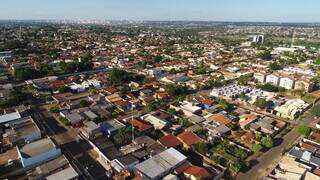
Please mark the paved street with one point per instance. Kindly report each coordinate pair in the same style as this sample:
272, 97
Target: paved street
75, 149
268, 160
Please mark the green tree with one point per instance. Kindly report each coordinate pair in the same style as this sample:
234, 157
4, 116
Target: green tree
156, 134
265, 55
244, 79
123, 136
64, 89
26, 74
225, 105
203, 133
256, 148
236, 167
54, 109
267, 142
177, 90
201, 147
158, 59
258, 136
304, 130
316, 110
172, 111
275, 66
64, 121
269, 87
84, 103
118, 76
260, 103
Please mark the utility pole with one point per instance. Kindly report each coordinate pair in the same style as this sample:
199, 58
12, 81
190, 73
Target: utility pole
132, 123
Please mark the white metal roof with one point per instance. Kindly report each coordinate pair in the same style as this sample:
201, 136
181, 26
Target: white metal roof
9, 117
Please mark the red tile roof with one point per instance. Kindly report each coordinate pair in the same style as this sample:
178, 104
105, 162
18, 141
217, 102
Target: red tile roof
189, 138
170, 141
315, 136
180, 169
220, 118
198, 172
140, 125
309, 146
56, 83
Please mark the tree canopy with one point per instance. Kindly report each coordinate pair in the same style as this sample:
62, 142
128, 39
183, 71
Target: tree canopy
26, 74
304, 130
275, 66
267, 142
316, 110
265, 55
261, 103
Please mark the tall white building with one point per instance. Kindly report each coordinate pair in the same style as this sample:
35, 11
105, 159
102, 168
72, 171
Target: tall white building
258, 39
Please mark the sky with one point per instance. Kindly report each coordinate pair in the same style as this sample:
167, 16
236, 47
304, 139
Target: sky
203, 10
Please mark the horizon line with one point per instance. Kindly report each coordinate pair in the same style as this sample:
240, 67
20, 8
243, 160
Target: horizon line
146, 20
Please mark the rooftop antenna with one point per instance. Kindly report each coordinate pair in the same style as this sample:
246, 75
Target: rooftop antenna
132, 123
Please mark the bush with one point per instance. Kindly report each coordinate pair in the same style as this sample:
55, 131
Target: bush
177, 90
236, 151
64, 121
265, 55
84, 103
225, 105
304, 130
316, 110
64, 89
54, 109
260, 103
271, 88
267, 142
256, 148
275, 66
26, 73
201, 147
219, 160
123, 136
236, 167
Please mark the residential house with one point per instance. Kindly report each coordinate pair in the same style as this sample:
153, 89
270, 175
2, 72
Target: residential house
273, 79
111, 126
189, 138
89, 130
123, 105
105, 150
58, 168
74, 118
127, 162
4, 118
22, 131
158, 122
175, 78
151, 146
260, 76
304, 84
38, 152
287, 82
169, 141
291, 109
139, 125
160, 165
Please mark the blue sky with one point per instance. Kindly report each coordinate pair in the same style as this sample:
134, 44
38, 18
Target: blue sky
211, 10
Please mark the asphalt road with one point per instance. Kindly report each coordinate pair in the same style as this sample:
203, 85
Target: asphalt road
75, 149
267, 161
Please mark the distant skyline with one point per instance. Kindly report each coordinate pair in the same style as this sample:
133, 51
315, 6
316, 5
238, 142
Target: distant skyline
173, 10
